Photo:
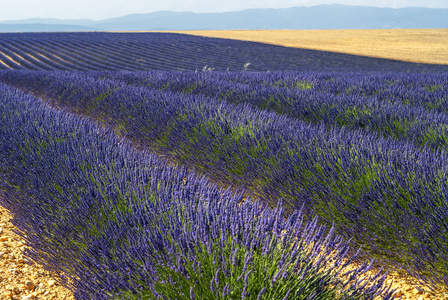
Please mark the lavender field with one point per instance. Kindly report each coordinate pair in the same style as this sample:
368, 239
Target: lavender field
164, 166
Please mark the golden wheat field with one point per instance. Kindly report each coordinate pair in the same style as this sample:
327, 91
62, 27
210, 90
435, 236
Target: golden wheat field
414, 45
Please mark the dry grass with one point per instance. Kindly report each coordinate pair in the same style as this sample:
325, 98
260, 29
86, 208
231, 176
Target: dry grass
414, 45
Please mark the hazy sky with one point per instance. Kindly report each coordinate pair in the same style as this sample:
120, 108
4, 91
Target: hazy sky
102, 9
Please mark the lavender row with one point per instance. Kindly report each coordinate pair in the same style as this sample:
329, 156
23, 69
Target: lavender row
99, 51
409, 107
387, 195
122, 223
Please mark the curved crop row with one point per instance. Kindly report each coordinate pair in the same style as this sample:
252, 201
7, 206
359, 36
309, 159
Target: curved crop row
412, 107
99, 51
390, 196
122, 223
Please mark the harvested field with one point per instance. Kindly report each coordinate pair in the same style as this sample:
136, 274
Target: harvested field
413, 45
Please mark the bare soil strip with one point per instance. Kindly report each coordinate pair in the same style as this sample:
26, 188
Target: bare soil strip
52, 59
413, 45
34, 58
10, 58
60, 58
21, 57
20, 278
5, 64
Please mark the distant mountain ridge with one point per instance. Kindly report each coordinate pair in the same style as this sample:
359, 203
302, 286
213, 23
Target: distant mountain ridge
332, 16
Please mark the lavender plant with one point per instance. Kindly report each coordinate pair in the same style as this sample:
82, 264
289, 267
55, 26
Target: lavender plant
402, 106
118, 221
387, 195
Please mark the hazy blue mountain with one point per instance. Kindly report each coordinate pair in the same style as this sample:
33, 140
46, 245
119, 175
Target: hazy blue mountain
52, 21
43, 27
316, 17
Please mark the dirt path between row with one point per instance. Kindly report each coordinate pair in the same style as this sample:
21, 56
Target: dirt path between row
20, 278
